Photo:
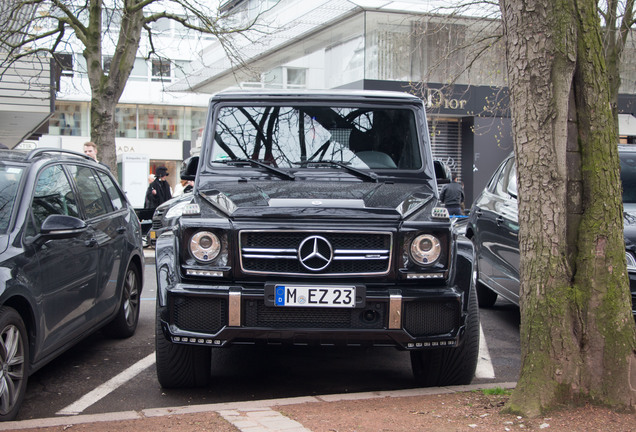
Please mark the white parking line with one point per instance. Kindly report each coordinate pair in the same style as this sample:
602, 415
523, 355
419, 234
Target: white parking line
484, 364
105, 389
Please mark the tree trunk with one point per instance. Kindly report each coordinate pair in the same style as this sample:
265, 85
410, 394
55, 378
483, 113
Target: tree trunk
578, 337
103, 129
108, 86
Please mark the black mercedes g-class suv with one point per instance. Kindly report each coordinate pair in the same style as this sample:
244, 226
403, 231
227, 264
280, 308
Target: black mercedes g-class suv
315, 220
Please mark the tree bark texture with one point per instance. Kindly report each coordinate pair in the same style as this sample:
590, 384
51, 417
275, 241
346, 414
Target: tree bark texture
107, 88
578, 337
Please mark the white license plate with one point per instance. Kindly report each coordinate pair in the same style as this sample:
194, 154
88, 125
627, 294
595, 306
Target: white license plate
315, 296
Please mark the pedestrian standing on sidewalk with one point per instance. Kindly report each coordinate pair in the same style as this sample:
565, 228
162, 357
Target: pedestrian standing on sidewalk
453, 196
158, 191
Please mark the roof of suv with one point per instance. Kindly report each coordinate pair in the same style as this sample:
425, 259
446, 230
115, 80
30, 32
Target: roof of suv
358, 95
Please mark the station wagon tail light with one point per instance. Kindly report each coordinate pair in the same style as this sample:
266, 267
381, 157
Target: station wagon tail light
426, 249
631, 262
205, 246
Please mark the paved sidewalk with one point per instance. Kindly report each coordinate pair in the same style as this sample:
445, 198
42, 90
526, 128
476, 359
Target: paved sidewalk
252, 416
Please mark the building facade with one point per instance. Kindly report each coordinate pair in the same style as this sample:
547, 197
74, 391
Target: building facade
150, 120
454, 63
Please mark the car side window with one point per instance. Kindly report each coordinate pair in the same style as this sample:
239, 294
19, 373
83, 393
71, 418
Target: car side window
492, 183
502, 182
113, 192
512, 181
91, 191
53, 194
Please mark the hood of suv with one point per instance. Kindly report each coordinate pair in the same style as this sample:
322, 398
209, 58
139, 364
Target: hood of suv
276, 198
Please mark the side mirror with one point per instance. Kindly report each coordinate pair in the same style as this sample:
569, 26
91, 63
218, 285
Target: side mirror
62, 226
57, 227
189, 168
442, 172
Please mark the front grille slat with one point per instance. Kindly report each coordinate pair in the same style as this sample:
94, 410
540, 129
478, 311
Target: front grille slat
277, 252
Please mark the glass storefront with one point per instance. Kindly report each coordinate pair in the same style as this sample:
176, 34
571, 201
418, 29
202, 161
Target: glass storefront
69, 119
131, 121
160, 122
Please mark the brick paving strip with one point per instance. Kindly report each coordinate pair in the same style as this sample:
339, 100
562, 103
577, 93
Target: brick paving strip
251, 416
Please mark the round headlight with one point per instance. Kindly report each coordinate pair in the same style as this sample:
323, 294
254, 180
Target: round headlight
426, 249
205, 246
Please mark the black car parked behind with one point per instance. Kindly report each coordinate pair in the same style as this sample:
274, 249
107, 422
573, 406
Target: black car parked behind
493, 227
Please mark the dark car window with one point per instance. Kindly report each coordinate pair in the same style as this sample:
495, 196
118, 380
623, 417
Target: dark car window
512, 181
501, 188
52, 195
628, 177
495, 178
113, 192
91, 191
9, 181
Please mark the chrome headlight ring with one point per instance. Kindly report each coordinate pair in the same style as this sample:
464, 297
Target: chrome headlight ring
205, 246
426, 249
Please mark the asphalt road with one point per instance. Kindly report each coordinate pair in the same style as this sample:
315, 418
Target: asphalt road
101, 375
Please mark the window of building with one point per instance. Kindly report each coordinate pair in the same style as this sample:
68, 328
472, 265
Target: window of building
160, 122
296, 77
106, 61
140, 70
126, 121
180, 67
111, 19
69, 119
162, 26
160, 69
284, 77
65, 62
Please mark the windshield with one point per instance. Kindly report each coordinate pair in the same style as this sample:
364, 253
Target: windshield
628, 176
301, 137
9, 181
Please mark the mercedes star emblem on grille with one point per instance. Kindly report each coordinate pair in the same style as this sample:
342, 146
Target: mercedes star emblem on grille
315, 253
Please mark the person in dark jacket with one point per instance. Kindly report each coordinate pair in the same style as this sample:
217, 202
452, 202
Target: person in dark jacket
158, 191
453, 196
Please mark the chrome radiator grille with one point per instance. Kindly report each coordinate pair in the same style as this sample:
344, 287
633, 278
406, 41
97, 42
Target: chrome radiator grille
318, 253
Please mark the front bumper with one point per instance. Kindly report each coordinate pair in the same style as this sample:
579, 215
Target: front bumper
405, 318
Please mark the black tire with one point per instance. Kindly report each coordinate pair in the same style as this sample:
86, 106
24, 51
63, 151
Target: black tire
181, 365
125, 323
451, 366
14, 362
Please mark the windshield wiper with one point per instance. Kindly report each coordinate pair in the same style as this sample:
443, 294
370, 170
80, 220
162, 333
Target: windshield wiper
270, 168
359, 173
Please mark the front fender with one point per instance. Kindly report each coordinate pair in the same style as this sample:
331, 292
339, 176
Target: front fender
462, 276
166, 262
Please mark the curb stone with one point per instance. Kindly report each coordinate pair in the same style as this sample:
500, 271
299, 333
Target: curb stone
256, 416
